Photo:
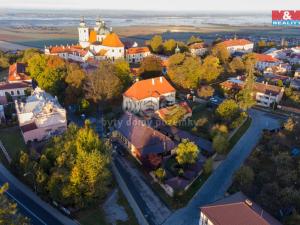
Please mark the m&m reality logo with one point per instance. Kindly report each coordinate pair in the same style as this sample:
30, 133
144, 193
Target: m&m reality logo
286, 17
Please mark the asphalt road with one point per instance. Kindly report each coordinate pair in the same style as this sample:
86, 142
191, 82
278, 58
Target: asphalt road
39, 212
219, 182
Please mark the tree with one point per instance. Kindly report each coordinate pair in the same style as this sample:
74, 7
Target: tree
187, 152
227, 109
210, 69
244, 177
293, 219
208, 166
219, 129
122, 71
289, 125
160, 173
49, 72
194, 39
206, 91
236, 65
27, 54
102, 84
151, 66
220, 143
156, 43
4, 60
261, 44
185, 72
220, 51
169, 46
8, 210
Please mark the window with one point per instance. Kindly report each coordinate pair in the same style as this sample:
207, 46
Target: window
18, 92
12, 93
113, 50
120, 50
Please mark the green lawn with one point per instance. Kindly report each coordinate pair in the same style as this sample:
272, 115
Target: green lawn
93, 216
234, 139
12, 140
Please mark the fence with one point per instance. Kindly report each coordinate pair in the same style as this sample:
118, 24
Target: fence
5, 153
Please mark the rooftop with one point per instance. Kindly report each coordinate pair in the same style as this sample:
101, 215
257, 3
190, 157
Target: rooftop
137, 50
265, 58
7, 86
17, 72
236, 42
112, 40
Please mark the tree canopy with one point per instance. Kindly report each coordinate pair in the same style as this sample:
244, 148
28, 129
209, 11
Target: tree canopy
193, 39
220, 51
211, 69
227, 109
151, 66
187, 152
156, 43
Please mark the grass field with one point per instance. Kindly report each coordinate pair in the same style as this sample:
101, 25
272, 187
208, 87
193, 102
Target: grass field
12, 140
234, 139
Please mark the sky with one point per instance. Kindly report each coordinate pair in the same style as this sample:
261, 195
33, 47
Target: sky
161, 5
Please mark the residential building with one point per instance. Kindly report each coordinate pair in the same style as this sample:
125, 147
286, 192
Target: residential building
136, 54
295, 83
198, 49
236, 209
146, 144
181, 109
40, 116
14, 90
282, 68
264, 61
264, 93
149, 95
17, 73
238, 45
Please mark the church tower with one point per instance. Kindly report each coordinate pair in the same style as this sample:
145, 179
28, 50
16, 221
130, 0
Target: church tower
83, 32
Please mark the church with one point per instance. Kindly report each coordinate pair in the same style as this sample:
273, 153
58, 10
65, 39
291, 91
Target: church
97, 43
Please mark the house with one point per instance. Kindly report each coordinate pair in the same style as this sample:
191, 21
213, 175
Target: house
238, 45
149, 95
146, 144
282, 68
17, 73
198, 49
179, 112
264, 93
40, 116
263, 61
136, 54
236, 209
14, 90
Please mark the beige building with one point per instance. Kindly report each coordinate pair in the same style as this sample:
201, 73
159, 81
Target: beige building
40, 116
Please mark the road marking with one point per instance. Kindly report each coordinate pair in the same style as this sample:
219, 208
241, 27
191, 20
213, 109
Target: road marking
10, 195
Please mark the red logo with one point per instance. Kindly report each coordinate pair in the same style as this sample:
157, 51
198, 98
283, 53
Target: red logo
286, 15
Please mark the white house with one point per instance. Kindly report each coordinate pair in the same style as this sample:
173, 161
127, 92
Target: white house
15, 90
148, 95
136, 54
264, 61
238, 45
198, 49
40, 116
266, 94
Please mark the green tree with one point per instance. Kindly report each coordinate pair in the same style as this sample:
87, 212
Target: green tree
8, 210
187, 152
236, 65
206, 91
102, 84
160, 173
244, 177
208, 166
194, 39
227, 109
27, 54
220, 144
169, 46
151, 66
122, 71
210, 69
4, 60
156, 44
220, 51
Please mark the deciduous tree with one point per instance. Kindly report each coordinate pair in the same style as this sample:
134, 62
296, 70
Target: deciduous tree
187, 152
156, 43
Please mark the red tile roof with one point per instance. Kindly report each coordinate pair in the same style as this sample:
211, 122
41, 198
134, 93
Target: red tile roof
237, 210
236, 42
17, 72
112, 40
149, 88
138, 50
197, 45
265, 58
6, 86
68, 49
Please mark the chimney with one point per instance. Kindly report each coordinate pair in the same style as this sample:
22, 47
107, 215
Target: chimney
160, 79
248, 202
153, 82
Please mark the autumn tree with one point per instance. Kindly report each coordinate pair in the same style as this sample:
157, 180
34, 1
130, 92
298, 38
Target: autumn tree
236, 65
160, 173
220, 143
28, 53
228, 109
210, 69
8, 210
244, 177
122, 71
4, 60
169, 46
193, 39
220, 51
151, 66
187, 152
206, 91
102, 84
156, 44
184, 70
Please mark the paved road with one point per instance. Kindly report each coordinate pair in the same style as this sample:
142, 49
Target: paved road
218, 183
39, 212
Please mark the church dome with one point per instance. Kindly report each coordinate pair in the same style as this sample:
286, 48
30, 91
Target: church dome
112, 40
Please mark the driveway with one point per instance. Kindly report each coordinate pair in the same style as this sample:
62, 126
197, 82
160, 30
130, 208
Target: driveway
219, 182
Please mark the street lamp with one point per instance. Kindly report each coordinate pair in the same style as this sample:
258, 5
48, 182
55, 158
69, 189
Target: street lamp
34, 184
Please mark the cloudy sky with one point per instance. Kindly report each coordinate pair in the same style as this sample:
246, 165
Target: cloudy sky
163, 5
